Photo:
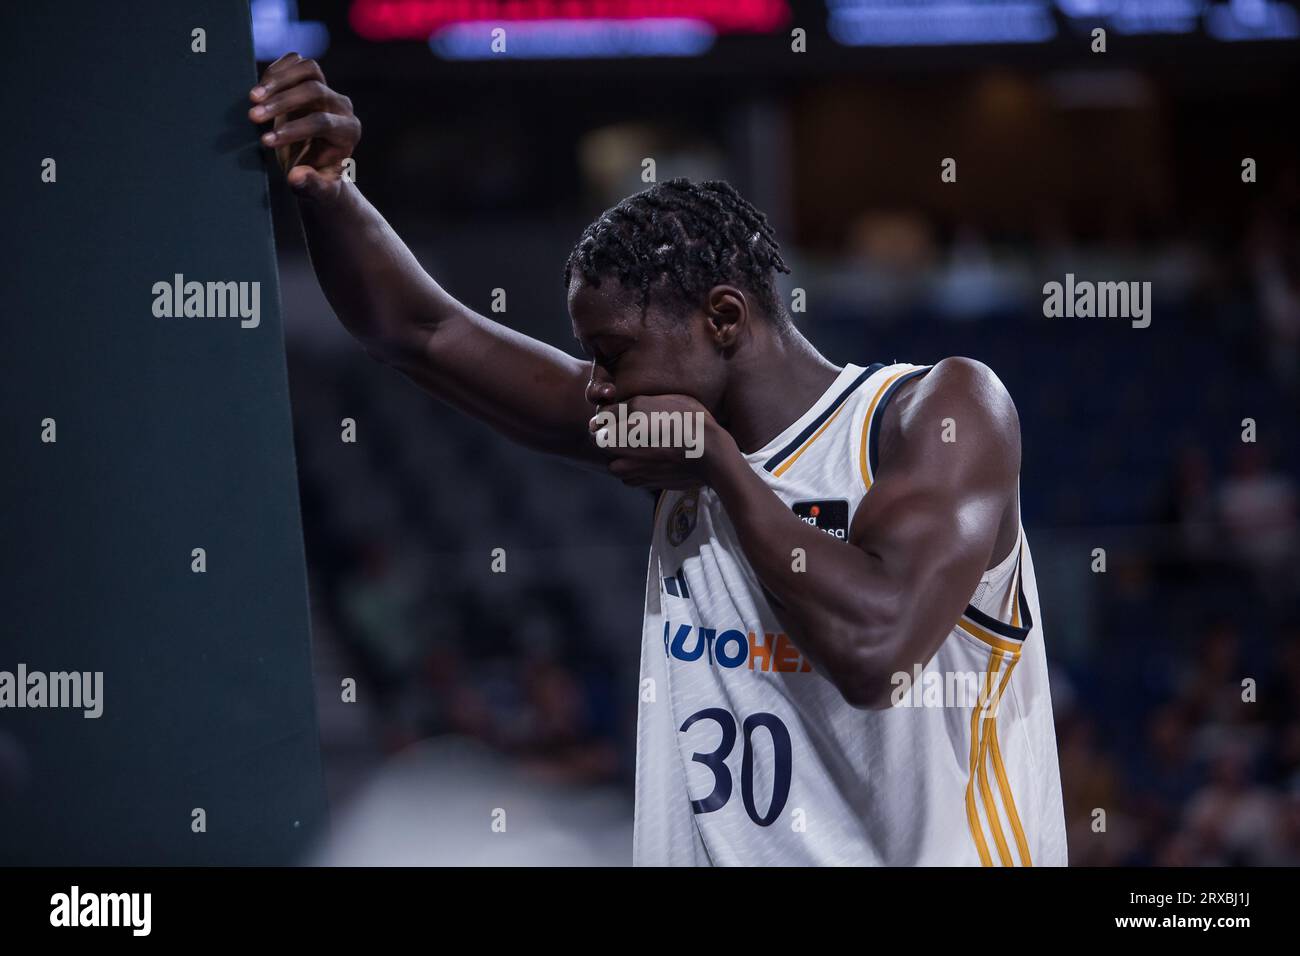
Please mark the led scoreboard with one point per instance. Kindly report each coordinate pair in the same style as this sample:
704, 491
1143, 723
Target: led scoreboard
479, 29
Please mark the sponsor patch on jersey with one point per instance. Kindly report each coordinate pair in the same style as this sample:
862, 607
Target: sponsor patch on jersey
830, 516
681, 520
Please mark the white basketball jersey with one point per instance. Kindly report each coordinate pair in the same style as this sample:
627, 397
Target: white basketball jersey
748, 756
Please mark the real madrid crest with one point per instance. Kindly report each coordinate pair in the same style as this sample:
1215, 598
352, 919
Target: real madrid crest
681, 520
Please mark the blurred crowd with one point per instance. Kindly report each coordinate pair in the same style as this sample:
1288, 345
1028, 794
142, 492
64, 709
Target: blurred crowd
1179, 728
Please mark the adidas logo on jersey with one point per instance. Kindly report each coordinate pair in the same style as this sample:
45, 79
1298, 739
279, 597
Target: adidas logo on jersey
830, 516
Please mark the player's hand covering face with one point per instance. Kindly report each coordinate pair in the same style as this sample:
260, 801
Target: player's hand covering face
657, 441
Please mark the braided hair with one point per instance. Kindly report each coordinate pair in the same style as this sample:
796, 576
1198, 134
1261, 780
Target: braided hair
680, 239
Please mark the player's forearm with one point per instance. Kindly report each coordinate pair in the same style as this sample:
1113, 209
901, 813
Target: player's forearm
375, 285
835, 600
525, 389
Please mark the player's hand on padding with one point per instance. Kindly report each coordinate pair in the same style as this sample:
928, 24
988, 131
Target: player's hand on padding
314, 129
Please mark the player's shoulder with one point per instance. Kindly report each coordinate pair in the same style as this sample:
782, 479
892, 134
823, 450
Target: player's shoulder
960, 381
956, 398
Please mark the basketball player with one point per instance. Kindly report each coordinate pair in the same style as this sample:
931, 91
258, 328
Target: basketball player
841, 561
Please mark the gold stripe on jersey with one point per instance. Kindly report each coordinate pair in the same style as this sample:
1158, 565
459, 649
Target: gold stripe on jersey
988, 637
972, 814
1008, 800
990, 808
806, 445
866, 427
1004, 785
985, 748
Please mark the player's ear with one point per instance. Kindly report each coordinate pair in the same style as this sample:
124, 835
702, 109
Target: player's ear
727, 314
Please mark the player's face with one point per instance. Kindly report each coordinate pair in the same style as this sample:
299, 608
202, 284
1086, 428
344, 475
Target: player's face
662, 355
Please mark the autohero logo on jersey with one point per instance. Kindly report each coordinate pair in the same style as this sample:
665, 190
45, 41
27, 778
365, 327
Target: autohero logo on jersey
732, 648
829, 516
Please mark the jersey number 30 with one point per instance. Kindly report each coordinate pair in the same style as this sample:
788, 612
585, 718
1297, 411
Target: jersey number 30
716, 761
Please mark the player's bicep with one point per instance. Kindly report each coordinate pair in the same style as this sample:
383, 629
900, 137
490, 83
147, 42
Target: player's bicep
932, 518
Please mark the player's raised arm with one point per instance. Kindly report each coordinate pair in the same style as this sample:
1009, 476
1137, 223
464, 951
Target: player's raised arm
526, 389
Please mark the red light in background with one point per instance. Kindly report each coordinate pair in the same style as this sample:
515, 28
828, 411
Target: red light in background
419, 19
